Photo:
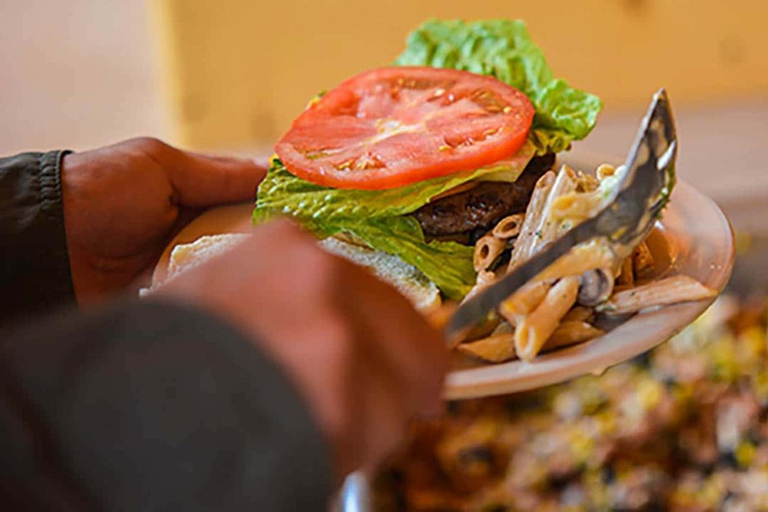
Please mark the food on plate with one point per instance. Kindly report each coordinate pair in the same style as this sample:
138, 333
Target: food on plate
596, 276
420, 159
187, 256
439, 173
447, 162
391, 127
683, 427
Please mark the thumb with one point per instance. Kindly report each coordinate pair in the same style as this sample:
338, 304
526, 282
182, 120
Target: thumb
203, 180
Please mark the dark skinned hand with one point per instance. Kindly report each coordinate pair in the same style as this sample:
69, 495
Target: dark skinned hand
123, 204
364, 360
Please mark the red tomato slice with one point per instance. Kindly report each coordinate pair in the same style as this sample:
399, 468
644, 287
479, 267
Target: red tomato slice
390, 127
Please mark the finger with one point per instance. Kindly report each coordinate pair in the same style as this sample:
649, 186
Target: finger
402, 338
382, 412
202, 180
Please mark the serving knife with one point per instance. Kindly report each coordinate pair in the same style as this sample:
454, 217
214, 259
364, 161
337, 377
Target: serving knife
639, 198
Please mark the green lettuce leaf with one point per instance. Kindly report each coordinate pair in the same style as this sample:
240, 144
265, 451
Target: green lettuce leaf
283, 193
376, 217
379, 218
504, 50
447, 264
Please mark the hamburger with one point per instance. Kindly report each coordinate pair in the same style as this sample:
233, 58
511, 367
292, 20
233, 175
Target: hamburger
403, 168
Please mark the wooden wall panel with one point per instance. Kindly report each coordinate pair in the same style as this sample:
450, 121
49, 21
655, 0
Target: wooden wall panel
237, 71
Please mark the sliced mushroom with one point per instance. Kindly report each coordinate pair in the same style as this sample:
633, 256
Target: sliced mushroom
493, 349
595, 286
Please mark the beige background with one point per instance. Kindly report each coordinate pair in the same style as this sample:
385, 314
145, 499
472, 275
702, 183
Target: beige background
77, 74
230, 75
241, 70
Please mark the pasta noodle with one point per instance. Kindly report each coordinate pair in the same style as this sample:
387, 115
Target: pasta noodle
657, 293
487, 249
549, 227
576, 206
581, 258
642, 259
536, 328
509, 227
483, 280
570, 333
493, 349
579, 314
533, 215
556, 308
586, 183
626, 275
503, 328
605, 171
523, 301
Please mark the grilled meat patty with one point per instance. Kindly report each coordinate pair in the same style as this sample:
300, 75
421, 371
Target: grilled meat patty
479, 208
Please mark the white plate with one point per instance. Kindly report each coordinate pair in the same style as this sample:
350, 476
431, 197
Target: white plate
700, 245
698, 242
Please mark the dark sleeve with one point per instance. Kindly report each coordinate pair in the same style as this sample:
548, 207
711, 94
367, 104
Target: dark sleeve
146, 407
34, 266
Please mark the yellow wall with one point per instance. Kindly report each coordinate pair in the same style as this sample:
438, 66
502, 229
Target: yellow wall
238, 71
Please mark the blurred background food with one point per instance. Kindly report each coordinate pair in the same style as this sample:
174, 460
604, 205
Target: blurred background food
684, 427
231, 75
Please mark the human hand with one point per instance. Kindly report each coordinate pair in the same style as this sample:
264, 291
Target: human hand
364, 360
123, 203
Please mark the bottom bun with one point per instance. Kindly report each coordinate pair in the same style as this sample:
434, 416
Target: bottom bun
407, 279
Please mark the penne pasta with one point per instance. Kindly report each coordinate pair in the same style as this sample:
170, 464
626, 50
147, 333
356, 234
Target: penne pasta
549, 228
493, 349
587, 183
483, 279
626, 275
581, 258
622, 288
487, 249
533, 216
523, 301
503, 328
605, 171
556, 307
642, 259
534, 330
509, 226
671, 290
576, 206
476, 332
571, 332
579, 314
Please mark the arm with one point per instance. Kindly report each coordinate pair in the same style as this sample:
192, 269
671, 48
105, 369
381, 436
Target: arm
153, 406
34, 268
76, 391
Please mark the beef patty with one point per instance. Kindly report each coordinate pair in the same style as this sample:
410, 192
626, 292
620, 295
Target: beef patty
482, 206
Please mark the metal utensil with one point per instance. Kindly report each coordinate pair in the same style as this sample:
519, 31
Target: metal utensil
641, 194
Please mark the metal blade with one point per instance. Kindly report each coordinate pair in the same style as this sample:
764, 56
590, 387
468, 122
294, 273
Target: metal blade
626, 218
648, 176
